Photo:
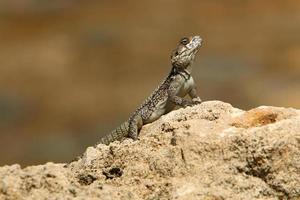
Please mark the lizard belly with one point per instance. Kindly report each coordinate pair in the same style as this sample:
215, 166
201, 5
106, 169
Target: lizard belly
159, 110
165, 105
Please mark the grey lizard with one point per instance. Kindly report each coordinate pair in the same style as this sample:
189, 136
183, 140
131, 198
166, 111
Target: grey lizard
169, 93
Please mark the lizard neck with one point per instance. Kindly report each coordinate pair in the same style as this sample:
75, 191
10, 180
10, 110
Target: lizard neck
188, 69
185, 72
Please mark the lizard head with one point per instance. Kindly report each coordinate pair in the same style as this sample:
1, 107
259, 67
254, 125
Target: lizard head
185, 52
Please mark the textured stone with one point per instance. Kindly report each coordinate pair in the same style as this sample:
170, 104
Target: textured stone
209, 151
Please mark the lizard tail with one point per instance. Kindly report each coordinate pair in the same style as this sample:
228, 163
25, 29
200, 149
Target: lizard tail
118, 134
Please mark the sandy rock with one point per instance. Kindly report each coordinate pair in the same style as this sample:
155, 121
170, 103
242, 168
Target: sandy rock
210, 151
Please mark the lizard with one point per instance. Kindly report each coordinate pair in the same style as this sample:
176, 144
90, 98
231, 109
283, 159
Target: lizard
167, 95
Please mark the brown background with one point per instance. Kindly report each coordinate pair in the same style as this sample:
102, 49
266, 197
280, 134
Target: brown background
70, 71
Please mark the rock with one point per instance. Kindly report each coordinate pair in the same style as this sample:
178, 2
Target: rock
209, 151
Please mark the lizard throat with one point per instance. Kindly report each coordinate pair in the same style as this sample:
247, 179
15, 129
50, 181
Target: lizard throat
182, 72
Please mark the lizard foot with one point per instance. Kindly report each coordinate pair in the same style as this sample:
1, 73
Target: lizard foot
187, 104
134, 137
196, 100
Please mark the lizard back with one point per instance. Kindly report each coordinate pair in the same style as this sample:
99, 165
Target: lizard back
145, 110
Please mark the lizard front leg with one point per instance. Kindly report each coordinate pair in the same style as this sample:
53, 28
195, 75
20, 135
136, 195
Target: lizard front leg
135, 124
180, 101
194, 95
174, 98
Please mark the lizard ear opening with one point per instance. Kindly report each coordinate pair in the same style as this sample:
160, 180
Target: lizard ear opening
174, 53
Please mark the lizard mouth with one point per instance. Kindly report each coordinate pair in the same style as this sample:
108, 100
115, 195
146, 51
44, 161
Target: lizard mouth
195, 44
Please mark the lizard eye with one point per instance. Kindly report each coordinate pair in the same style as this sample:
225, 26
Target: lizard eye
184, 41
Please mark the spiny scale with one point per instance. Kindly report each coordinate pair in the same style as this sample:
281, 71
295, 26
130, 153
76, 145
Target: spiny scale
117, 134
123, 130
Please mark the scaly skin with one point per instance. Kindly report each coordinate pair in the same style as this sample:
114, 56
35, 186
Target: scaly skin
170, 93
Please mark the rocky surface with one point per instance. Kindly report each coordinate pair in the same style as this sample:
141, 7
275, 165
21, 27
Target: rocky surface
210, 151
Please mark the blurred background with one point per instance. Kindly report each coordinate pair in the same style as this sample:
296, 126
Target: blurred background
70, 71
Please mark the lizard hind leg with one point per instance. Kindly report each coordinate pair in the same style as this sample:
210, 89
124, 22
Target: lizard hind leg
135, 124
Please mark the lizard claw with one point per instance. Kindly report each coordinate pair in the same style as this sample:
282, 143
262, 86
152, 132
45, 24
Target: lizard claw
197, 100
